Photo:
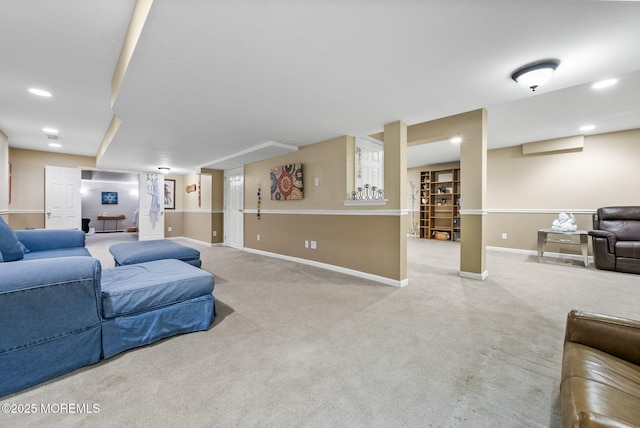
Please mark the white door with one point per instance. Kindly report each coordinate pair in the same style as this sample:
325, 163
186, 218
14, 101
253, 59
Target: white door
234, 208
151, 207
63, 202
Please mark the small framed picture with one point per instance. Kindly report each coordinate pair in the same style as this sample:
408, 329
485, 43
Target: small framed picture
169, 194
109, 198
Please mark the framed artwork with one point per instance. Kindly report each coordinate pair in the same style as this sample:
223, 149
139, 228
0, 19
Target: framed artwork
169, 194
286, 182
109, 198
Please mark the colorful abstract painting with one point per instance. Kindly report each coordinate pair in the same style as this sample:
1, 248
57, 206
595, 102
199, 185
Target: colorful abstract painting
286, 182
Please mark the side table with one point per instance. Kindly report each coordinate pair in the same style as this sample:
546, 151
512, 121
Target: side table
543, 238
115, 218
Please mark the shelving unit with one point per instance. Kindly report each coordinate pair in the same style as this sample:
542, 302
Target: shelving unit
424, 203
440, 203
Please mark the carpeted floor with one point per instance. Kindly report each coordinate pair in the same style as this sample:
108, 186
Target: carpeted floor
299, 346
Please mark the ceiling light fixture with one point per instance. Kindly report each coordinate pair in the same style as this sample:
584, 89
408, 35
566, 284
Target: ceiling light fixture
532, 76
56, 145
604, 83
50, 130
587, 127
40, 92
456, 140
164, 168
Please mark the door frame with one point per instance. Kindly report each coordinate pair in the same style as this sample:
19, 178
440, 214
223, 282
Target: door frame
56, 215
228, 211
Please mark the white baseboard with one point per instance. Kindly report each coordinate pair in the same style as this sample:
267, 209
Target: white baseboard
195, 241
546, 253
334, 268
472, 275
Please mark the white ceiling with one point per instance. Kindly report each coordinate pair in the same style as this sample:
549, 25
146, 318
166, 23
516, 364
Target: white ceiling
209, 79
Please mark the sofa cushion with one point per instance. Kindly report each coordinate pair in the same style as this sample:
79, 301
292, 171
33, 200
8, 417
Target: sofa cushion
594, 382
146, 286
592, 364
9, 244
128, 253
629, 249
60, 252
586, 402
50, 239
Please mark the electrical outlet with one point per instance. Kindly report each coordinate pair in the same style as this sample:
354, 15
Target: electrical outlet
504, 235
314, 245
169, 229
306, 244
215, 233
258, 237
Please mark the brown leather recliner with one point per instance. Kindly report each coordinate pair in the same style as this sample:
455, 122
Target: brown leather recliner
616, 239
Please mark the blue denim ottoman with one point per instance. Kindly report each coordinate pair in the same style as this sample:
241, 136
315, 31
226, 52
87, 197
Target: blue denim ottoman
128, 253
143, 303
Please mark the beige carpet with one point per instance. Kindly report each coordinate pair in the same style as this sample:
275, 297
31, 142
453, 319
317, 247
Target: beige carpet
298, 346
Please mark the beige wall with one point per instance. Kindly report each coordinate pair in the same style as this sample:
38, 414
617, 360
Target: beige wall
604, 173
325, 160
192, 216
361, 243
196, 206
354, 240
4, 172
188, 219
217, 205
526, 192
28, 183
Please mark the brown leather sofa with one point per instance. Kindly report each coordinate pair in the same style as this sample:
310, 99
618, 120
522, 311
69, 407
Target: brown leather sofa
600, 371
616, 239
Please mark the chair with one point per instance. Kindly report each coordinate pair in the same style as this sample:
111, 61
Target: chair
616, 239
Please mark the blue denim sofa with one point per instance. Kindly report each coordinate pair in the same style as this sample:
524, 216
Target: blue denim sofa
62, 311
50, 318
39, 243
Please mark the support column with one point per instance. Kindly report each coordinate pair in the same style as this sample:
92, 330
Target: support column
395, 187
473, 178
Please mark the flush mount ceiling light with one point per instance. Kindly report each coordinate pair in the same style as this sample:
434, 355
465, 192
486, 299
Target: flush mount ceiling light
587, 127
40, 92
456, 140
50, 130
532, 76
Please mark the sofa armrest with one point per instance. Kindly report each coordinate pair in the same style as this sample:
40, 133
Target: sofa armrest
47, 298
50, 239
619, 337
609, 236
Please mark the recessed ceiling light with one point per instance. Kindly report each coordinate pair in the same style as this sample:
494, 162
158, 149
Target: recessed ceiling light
587, 127
50, 130
604, 83
40, 92
456, 140
56, 145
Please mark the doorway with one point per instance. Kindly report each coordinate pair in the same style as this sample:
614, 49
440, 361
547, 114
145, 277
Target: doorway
234, 207
107, 196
